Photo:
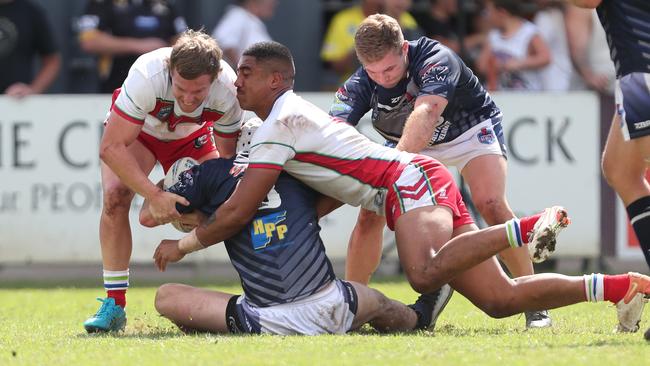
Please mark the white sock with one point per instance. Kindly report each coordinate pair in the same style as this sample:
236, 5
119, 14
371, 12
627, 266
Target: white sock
594, 287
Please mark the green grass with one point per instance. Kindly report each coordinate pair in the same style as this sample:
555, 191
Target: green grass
43, 327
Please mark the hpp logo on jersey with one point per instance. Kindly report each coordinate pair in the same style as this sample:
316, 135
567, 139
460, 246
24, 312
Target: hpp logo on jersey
267, 228
486, 136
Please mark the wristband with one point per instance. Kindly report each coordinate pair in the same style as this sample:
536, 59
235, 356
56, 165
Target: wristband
190, 243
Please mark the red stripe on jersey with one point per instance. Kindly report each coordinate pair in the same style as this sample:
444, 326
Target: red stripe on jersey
211, 116
264, 166
374, 172
123, 114
226, 135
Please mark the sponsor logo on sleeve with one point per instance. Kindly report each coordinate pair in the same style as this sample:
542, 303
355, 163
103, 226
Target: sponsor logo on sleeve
486, 136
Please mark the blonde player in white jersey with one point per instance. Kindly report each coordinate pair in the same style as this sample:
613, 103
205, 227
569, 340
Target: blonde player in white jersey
436, 240
175, 102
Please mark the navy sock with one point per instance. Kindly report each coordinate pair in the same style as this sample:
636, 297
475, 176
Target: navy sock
639, 214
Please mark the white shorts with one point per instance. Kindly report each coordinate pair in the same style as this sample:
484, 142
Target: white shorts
486, 138
329, 311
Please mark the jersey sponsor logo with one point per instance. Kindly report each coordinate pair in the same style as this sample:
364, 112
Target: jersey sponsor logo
342, 95
440, 132
162, 110
434, 72
267, 228
442, 193
641, 125
200, 141
486, 136
340, 107
340, 102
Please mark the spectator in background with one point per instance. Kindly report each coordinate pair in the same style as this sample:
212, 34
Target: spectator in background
515, 52
121, 30
438, 23
398, 9
338, 45
589, 51
24, 33
241, 26
549, 19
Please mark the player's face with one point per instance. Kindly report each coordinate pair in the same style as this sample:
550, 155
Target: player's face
190, 93
389, 70
251, 83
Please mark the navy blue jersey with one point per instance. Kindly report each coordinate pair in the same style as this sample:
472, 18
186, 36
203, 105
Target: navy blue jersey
279, 256
627, 24
433, 70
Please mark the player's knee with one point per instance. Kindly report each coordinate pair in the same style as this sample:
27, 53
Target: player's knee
164, 296
367, 220
499, 305
420, 283
492, 209
117, 199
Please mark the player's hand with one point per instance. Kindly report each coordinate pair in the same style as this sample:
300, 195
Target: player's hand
166, 252
19, 90
163, 206
597, 82
240, 164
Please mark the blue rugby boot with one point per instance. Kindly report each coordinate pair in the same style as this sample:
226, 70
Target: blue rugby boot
429, 306
109, 318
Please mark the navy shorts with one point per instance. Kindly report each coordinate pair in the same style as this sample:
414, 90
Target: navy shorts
633, 104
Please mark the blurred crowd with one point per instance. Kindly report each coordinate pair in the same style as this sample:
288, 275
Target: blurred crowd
534, 45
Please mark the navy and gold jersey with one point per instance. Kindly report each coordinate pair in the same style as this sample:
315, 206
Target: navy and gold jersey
627, 24
433, 70
279, 256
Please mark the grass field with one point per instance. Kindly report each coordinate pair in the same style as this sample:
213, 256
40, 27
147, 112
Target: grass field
43, 327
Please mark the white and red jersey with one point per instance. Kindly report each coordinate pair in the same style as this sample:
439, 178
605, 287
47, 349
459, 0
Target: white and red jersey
146, 98
327, 154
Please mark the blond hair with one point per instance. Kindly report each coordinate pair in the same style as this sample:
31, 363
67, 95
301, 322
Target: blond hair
377, 35
194, 54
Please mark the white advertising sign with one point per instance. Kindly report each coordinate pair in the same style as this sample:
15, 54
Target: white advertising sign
554, 159
50, 195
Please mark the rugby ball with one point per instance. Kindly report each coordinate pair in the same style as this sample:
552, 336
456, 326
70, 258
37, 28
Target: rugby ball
172, 177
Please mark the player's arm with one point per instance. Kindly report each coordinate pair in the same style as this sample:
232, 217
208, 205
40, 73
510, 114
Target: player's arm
98, 42
114, 152
226, 146
326, 204
228, 220
590, 4
538, 56
421, 123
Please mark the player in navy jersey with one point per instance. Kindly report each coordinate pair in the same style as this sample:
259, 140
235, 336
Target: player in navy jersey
627, 152
287, 278
425, 100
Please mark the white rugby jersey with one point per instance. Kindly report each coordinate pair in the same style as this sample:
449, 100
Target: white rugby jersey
146, 98
325, 153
